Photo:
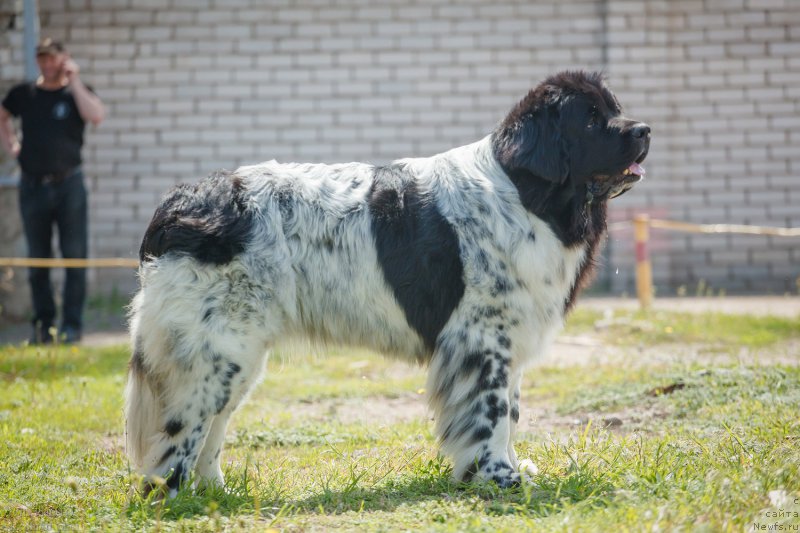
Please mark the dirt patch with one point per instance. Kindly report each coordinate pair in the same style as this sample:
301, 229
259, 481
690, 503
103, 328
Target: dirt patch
541, 422
383, 410
591, 351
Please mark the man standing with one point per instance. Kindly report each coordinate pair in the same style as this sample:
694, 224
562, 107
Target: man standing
53, 110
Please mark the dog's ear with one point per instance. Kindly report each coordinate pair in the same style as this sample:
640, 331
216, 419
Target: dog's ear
531, 141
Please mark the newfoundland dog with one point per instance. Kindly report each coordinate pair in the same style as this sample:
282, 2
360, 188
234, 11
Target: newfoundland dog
466, 261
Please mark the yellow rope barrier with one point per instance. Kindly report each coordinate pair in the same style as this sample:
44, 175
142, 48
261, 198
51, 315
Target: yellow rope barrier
724, 228
641, 223
37, 262
712, 228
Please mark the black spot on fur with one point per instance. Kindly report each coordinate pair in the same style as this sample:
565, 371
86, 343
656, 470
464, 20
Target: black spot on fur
137, 362
470, 473
463, 423
417, 249
504, 341
482, 261
490, 379
222, 400
490, 312
501, 286
479, 464
209, 221
233, 369
208, 314
177, 477
482, 433
167, 454
515, 414
173, 427
501, 465
496, 409
473, 361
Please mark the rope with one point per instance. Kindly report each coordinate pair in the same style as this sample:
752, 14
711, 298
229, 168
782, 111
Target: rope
38, 262
712, 228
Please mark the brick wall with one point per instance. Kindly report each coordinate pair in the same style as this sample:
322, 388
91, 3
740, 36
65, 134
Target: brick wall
720, 82
192, 86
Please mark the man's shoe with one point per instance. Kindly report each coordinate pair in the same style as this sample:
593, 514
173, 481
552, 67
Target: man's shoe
41, 335
70, 335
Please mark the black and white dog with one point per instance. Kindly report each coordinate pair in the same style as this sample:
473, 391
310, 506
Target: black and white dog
466, 261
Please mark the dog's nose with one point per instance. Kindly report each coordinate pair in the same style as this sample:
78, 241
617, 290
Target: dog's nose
640, 130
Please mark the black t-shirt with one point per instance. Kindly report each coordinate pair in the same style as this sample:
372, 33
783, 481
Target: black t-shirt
52, 128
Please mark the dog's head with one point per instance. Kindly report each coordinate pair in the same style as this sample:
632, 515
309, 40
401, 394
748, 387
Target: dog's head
570, 130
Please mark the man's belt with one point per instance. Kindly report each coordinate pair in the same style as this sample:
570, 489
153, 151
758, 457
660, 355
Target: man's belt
53, 178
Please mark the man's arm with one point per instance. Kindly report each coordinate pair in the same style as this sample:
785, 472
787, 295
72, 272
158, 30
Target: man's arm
89, 105
8, 137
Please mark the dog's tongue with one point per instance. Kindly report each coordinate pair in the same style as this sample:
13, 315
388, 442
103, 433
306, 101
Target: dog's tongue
637, 169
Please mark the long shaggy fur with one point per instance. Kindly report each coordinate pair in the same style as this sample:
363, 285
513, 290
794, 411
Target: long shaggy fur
465, 261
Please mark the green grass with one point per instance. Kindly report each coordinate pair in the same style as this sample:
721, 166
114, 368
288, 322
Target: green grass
660, 327
709, 448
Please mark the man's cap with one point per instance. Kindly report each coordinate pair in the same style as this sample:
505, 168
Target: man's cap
50, 46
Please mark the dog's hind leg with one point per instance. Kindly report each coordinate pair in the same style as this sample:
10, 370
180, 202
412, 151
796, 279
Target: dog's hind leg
471, 395
208, 464
195, 401
199, 348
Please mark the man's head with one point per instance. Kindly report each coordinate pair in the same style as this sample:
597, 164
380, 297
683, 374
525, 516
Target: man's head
51, 56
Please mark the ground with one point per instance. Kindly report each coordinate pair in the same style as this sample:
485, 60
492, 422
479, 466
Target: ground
657, 420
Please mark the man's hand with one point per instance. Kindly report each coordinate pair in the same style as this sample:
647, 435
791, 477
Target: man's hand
89, 105
71, 70
8, 137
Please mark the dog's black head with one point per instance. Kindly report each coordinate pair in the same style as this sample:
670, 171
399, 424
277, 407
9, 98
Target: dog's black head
570, 132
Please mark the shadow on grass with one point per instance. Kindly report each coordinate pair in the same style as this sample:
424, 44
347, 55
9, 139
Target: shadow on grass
545, 496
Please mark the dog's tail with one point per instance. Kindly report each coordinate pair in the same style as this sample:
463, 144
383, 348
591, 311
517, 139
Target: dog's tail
142, 404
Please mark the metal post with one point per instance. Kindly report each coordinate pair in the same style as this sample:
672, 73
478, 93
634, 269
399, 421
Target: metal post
644, 270
31, 38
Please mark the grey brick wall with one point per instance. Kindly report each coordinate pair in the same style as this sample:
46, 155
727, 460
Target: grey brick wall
193, 86
719, 83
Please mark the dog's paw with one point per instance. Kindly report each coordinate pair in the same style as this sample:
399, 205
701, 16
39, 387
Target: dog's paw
507, 480
527, 469
499, 472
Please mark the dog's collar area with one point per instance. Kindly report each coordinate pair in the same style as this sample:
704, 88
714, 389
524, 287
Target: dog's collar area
595, 190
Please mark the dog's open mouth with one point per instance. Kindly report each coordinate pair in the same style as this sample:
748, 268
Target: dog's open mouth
636, 170
634, 173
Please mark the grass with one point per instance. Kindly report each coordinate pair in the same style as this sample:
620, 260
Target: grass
662, 327
698, 447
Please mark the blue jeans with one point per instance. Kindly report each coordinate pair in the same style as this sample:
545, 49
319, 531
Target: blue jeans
63, 204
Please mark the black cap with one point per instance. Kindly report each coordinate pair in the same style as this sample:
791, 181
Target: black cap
50, 46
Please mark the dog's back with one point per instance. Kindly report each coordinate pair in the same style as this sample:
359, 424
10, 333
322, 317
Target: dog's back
230, 267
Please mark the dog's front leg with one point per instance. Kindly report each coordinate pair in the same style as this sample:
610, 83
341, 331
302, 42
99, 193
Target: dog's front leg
470, 392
